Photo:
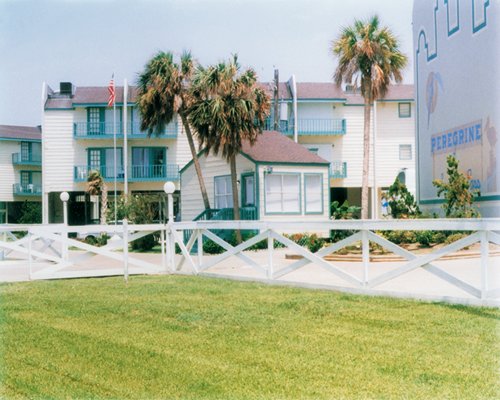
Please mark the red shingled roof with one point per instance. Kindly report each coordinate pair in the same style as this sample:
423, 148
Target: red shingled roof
20, 132
319, 90
305, 91
274, 147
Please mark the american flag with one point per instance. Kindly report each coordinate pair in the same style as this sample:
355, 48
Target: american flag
111, 90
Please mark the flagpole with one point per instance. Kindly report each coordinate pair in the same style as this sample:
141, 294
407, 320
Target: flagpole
114, 145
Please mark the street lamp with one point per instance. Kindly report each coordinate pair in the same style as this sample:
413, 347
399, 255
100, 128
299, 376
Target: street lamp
64, 196
169, 189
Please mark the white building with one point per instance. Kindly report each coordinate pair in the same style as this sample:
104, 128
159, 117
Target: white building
329, 122
77, 136
278, 180
20, 169
457, 80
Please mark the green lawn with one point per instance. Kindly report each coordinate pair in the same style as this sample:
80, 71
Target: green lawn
193, 337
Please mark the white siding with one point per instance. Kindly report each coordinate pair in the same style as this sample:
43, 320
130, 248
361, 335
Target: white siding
59, 153
211, 166
391, 132
7, 170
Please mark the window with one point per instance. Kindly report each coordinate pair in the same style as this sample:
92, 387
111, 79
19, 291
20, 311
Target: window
405, 152
223, 192
313, 150
404, 110
95, 119
282, 193
313, 193
31, 181
102, 160
31, 152
148, 162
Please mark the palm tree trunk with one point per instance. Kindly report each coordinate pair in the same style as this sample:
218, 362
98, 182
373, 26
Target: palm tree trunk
104, 204
366, 153
236, 206
196, 162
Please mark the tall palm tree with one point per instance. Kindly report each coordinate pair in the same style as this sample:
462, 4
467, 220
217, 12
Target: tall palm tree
228, 107
97, 187
370, 54
163, 92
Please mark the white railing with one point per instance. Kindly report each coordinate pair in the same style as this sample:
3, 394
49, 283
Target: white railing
62, 255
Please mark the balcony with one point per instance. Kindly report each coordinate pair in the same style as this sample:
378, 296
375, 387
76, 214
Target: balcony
149, 173
107, 173
27, 190
104, 130
338, 170
137, 173
27, 159
311, 127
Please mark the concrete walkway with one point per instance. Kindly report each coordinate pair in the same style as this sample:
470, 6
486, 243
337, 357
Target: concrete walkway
418, 283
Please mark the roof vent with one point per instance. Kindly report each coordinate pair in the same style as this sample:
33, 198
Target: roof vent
66, 88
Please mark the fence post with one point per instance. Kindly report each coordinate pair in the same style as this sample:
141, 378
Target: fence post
162, 240
200, 248
270, 249
30, 258
171, 244
125, 249
484, 264
365, 246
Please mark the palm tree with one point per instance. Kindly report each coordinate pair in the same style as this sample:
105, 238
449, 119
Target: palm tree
97, 187
163, 92
228, 107
370, 54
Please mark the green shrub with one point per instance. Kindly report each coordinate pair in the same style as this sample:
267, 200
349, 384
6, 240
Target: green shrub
401, 237
401, 201
457, 193
30, 213
424, 238
344, 211
454, 237
439, 237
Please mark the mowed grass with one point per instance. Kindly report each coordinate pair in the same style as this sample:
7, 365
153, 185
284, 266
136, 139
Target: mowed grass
200, 338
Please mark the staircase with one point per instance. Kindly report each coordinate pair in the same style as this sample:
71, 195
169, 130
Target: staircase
222, 214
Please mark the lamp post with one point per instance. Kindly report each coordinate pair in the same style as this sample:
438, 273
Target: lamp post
168, 245
64, 196
169, 189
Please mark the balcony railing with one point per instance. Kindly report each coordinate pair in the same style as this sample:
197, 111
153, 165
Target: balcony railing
26, 159
29, 189
137, 173
104, 130
140, 173
338, 170
107, 172
311, 126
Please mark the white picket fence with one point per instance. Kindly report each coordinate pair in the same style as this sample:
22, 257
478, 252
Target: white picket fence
56, 255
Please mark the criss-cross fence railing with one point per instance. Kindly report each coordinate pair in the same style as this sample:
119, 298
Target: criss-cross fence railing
482, 231
60, 254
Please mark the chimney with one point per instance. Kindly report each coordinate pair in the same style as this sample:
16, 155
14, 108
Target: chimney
66, 88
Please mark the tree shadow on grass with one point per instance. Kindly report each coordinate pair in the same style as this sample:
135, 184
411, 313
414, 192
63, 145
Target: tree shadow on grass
483, 312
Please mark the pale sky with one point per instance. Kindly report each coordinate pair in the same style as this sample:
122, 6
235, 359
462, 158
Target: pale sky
85, 41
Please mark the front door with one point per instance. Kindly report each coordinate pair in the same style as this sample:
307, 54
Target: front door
248, 192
